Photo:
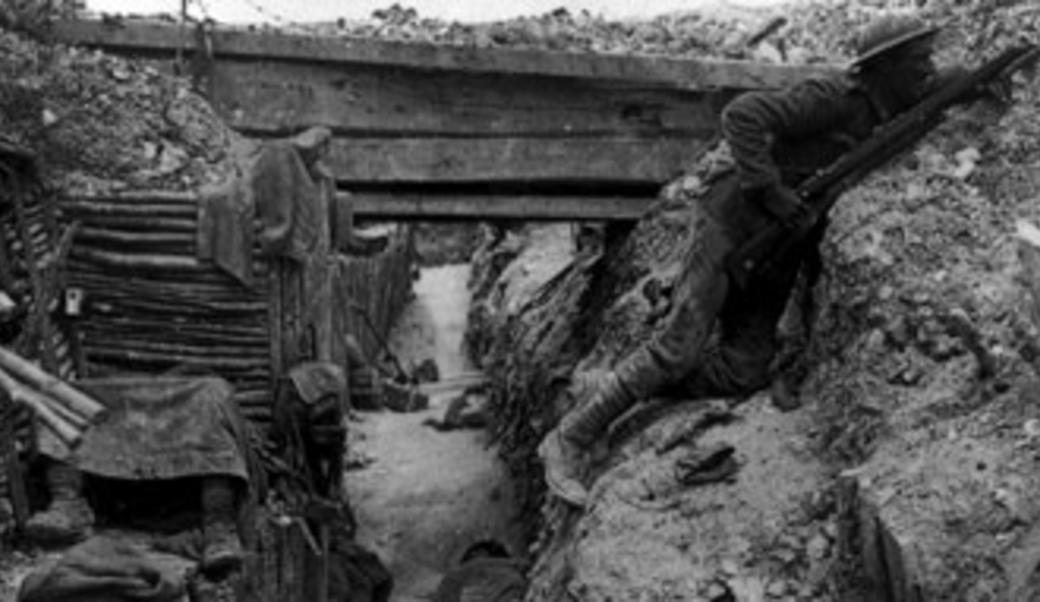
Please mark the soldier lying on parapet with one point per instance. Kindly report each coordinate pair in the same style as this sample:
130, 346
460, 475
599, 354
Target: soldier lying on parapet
159, 429
777, 139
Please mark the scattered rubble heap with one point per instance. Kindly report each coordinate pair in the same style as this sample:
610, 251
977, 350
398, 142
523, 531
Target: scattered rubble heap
809, 31
721, 30
911, 469
100, 123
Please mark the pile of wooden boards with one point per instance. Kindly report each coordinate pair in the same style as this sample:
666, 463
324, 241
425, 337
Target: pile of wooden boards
63, 410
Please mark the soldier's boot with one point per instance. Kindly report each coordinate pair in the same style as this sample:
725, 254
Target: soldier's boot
222, 548
69, 517
785, 395
601, 398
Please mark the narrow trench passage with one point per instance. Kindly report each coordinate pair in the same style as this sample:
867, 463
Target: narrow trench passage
427, 495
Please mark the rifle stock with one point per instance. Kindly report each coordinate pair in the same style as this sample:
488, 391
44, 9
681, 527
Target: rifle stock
820, 191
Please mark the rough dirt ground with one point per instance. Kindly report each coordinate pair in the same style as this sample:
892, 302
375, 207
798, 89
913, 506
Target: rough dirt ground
427, 495
764, 533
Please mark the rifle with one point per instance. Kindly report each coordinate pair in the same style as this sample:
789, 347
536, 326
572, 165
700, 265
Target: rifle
821, 191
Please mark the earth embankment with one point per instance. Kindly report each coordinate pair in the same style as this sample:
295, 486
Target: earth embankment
909, 472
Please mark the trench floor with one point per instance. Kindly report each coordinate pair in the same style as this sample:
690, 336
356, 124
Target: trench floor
426, 495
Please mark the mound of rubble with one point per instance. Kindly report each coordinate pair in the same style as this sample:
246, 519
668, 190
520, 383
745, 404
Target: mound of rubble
100, 123
910, 472
795, 32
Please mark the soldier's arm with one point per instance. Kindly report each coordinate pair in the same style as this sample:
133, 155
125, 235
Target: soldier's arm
754, 120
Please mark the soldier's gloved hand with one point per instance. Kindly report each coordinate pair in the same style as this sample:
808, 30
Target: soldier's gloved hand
999, 91
782, 202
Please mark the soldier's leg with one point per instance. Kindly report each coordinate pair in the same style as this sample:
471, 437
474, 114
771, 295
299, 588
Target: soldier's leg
740, 363
69, 516
728, 369
222, 546
601, 398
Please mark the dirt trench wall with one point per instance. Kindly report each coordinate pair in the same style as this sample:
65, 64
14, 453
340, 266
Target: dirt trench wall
556, 317
925, 355
917, 445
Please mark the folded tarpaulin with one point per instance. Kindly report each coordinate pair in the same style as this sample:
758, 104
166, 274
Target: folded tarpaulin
163, 428
104, 569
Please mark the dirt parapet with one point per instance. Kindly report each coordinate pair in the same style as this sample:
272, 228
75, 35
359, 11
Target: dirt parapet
926, 347
917, 444
100, 123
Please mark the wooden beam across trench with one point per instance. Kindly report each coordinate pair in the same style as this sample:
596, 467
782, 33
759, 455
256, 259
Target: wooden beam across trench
398, 206
419, 114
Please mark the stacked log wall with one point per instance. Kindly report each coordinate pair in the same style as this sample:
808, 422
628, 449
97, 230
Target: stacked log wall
153, 307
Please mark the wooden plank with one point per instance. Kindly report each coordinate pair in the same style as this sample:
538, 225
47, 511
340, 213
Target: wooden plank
40, 321
685, 74
11, 464
276, 98
6, 265
293, 319
424, 206
444, 160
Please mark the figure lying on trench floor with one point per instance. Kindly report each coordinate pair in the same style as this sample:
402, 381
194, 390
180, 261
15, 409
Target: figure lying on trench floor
487, 573
777, 139
159, 429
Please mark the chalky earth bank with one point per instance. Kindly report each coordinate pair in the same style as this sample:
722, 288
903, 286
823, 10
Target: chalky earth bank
909, 473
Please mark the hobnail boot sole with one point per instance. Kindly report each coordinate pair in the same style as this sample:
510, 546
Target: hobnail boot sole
565, 488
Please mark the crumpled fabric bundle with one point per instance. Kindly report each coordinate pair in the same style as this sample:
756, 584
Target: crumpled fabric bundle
286, 202
484, 580
282, 190
314, 380
103, 569
225, 228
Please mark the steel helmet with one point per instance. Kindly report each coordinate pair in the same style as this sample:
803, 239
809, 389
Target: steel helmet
888, 33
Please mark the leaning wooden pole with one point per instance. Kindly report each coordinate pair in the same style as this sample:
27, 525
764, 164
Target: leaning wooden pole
53, 386
67, 432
